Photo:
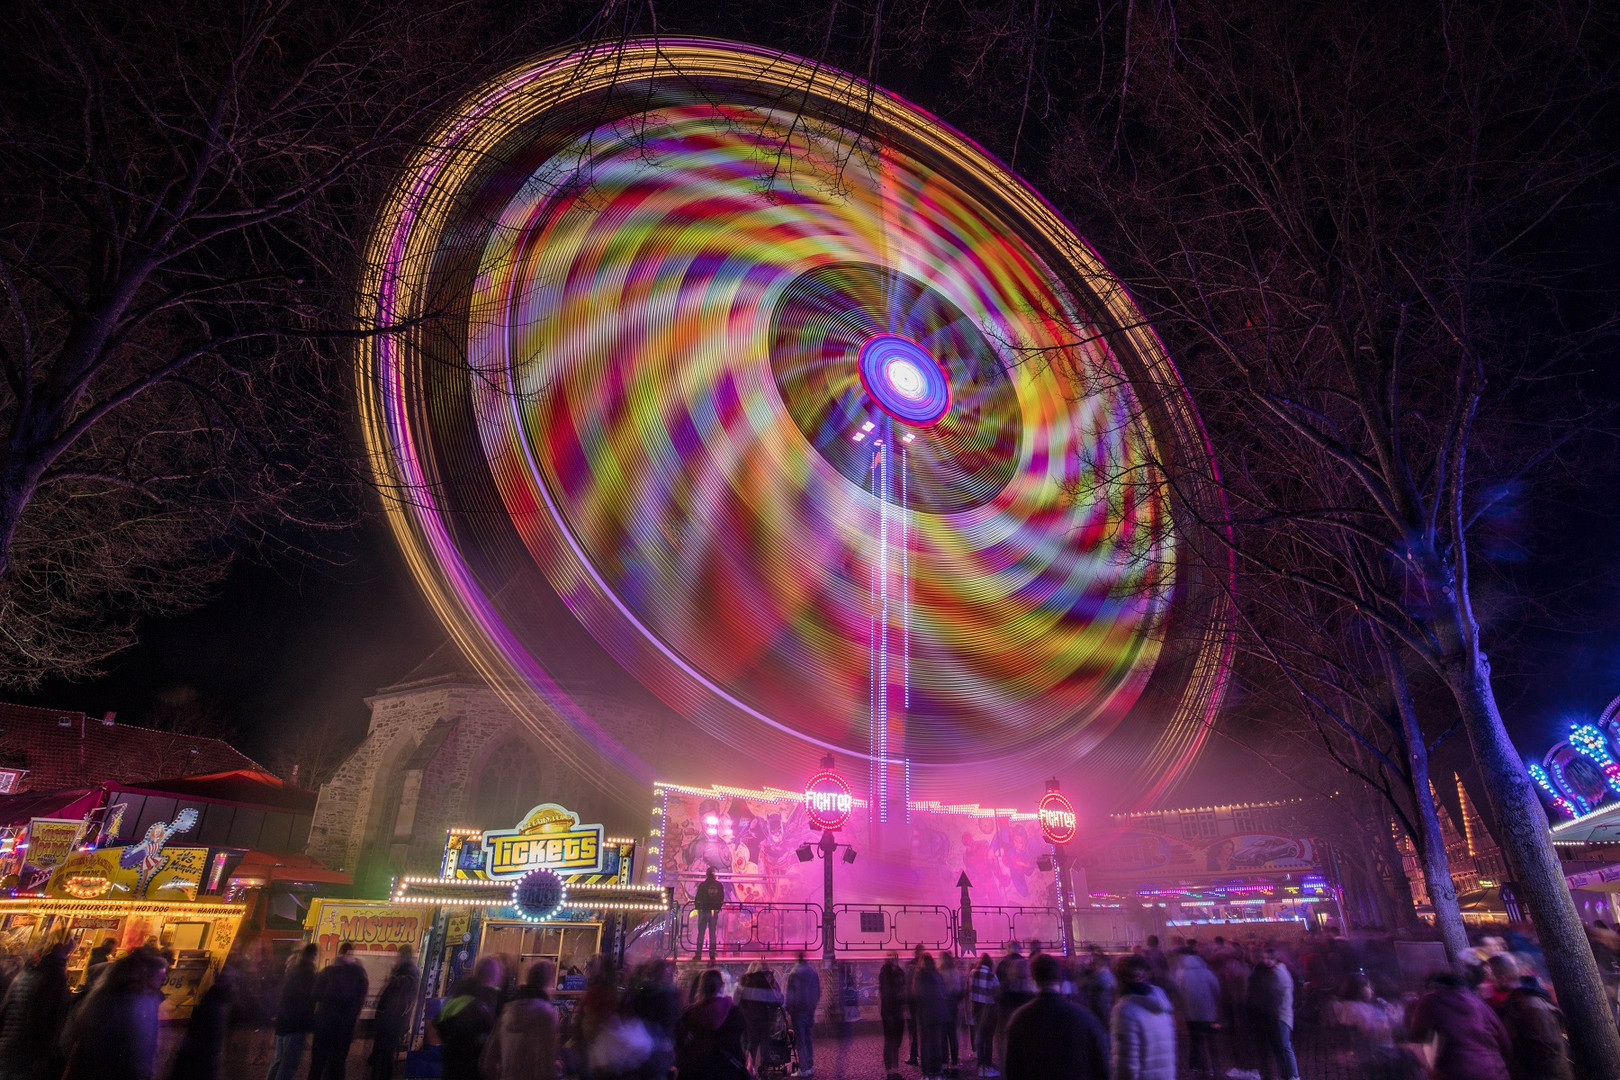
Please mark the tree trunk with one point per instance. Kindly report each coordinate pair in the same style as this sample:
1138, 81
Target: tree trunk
1395, 887
1537, 874
1430, 840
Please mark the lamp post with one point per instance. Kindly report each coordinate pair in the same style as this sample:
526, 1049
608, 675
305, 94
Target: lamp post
828, 803
1058, 824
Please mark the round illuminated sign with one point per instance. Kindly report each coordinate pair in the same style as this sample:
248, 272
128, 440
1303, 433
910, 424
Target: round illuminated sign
828, 800
1057, 818
538, 895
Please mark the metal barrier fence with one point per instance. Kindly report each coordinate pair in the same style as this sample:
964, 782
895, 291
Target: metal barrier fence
767, 929
996, 927
878, 928
753, 929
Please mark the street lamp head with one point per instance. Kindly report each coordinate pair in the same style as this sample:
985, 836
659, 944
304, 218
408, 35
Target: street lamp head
849, 854
805, 852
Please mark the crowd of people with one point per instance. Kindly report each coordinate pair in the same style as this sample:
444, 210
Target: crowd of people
1200, 1009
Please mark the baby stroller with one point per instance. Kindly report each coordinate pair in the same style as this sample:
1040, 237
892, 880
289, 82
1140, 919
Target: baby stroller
779, 1056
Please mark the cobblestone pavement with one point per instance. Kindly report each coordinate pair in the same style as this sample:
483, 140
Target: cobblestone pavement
860, 1057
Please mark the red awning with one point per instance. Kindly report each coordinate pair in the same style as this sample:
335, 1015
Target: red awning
287, 866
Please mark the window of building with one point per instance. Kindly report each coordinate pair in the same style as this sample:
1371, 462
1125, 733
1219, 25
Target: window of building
1197, 826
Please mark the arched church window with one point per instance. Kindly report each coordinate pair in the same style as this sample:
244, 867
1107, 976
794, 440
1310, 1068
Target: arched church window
508, 787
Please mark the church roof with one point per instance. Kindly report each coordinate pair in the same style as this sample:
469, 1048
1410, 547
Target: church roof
63, 748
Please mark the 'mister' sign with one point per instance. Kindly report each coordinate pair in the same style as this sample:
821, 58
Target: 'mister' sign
550, 838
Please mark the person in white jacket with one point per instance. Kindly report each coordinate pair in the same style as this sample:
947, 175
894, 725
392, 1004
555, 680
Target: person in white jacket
1143, 1026
1200, 994
523, 1045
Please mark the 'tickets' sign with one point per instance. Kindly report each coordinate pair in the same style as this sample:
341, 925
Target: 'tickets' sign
828, 800
1057, 818
550, 838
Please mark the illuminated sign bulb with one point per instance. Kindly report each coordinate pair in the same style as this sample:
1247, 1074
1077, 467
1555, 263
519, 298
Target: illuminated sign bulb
828, 800
1057, 817
1544, 782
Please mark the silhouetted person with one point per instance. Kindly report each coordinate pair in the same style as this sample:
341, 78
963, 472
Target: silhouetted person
982, 987
100, 956
803, 998
1271, 1011
929, 1006
392, 1022
340, 993
468, 1017
1536, 1026
709, 899
657, 1004
892, 1010
709, 1037
202, 1047
295, 1015
113, 1034
1472, 1043
1052, 1038
31, 1017
523, 1045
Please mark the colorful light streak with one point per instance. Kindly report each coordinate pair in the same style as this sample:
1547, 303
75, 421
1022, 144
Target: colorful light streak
663, 306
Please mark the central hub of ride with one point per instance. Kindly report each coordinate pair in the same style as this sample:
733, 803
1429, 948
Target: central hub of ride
904, 380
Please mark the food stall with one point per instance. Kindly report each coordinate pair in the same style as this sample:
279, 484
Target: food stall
138, 894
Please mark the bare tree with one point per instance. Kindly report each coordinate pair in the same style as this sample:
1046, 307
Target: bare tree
181, 189
308, 752
1345, 219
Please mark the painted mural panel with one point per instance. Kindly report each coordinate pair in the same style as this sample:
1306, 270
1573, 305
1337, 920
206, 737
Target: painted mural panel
750, 839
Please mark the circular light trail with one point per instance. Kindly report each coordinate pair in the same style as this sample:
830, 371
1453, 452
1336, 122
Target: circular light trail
903, 380
641, 311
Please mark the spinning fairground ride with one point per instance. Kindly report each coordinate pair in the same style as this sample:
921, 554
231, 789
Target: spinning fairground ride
828, 429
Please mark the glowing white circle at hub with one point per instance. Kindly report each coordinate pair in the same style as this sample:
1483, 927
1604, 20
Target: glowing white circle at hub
907, 379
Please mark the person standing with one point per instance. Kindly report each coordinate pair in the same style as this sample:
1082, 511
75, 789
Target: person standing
892, 1010
709, 899
392, 1020
709, 1037
1200, 993
31, 1018
912, 967
1052, 1038
1017, 989
100, 956
1536, 1027
803, 996
113, 1035
954, 989
523, 1045
1271, 1011
982, 994
468, 1017
657, 1004
1099, 989
1143, 1029
340, 993
295, 1015
1472, 1044
928, 1005
202, 1047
